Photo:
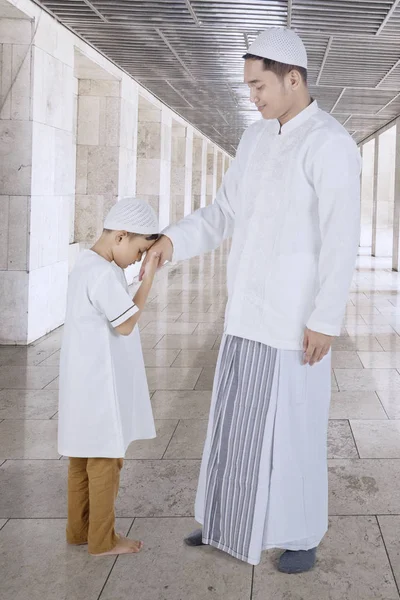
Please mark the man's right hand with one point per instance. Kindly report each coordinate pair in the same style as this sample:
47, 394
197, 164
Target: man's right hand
164, 248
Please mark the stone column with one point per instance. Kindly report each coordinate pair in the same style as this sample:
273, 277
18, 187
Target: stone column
385, 200
154, 158
187, 209
215, 177
203, 192
49, 125
106, 145
16, 132
165, 170
375, 195
128, 148
361, 190
97, 156
367, 179
37, 176
396, 210
181, 172
211, 185
178, 168
225, 164
128, 138
199, 172
220, 168
210, 174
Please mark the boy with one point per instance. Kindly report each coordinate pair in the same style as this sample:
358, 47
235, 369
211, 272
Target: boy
104, 398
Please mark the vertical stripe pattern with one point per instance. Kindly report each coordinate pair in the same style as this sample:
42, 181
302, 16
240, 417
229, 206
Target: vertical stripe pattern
243, 391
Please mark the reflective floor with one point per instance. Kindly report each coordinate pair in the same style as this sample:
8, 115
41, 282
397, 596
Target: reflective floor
181, 331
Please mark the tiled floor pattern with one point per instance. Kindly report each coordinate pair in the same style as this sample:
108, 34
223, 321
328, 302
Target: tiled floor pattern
181, 332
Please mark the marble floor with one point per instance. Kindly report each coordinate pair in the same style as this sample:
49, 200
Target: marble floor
181, 330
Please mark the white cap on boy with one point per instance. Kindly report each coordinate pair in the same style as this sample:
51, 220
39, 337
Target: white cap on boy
132, 215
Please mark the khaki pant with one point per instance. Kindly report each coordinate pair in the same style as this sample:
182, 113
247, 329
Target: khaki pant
93, 485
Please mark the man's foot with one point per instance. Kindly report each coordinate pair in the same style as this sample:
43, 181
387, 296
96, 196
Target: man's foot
297, 562
195, 538
124, 546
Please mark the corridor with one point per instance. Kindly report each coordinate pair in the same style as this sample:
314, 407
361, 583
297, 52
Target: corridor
181, 331
102, 100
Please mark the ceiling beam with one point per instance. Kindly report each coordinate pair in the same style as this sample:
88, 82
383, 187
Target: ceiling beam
363, 37
379, 131
95, 10
179, 94
246, 41
338, 100
388, 16
289, 14
222, 116
388, 73
366, 116
321, 87
178, 58
388, 103
231, 93
192, 12
327, 50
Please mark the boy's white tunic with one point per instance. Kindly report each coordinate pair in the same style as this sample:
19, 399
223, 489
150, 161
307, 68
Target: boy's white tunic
290, 201
104, 401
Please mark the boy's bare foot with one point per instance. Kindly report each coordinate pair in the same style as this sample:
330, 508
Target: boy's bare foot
124, 546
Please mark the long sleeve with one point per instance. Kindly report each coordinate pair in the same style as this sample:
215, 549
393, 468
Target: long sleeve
205, 229
336, 180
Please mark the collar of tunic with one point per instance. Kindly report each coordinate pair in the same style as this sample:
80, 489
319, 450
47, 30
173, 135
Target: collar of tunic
298, 120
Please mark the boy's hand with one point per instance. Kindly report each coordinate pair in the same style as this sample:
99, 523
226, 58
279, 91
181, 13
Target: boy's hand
164, 248
151, 266
315, 346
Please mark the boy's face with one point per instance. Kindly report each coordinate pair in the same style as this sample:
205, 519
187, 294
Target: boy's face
128, 249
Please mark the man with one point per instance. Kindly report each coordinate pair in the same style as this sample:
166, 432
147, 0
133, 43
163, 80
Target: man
290, 202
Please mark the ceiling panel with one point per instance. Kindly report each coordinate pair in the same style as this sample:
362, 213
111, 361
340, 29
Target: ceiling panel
363, 102
326, 96
240, 15
392, 79
189, 54
391, 25
391, 109
367, 124
359, 62
340, 16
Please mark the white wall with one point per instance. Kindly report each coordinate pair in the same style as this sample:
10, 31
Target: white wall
387, 146
367, 181
385, 193
38, 128
15, 176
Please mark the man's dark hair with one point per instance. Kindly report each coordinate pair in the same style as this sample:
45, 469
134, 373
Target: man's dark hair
280, 69
150, 238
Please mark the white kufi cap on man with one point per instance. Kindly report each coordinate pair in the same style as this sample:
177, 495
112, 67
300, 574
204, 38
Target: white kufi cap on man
281, 45
132, 215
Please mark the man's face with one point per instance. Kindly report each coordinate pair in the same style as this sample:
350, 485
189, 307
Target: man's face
271, 95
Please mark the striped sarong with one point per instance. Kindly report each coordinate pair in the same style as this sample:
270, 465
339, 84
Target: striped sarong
263, 481
242, 401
